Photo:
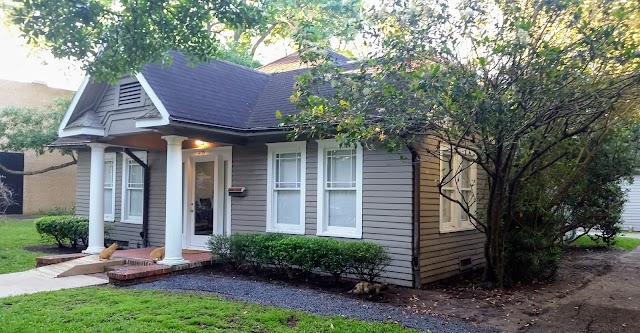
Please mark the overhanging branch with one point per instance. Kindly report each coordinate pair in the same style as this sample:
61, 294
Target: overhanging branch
30, 173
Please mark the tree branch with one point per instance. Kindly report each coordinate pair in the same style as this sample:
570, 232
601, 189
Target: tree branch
30, 173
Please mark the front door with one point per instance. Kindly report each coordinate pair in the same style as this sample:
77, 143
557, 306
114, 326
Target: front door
206, 199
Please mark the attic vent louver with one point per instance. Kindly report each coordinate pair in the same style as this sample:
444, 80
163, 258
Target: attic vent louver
130, 94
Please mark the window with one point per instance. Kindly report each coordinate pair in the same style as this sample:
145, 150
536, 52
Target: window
133, 188
459, 183
339, 190
286, 187
109, 186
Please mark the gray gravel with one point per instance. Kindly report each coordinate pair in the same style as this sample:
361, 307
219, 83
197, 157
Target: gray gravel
311, 301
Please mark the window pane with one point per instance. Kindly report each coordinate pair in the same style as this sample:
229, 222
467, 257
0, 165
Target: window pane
447, 206
204, 195
287, 170
467, 198
136, 173
108, 201
342, 208
341, 169
135, 203
287, 207
446, 173
465, 174
108, 173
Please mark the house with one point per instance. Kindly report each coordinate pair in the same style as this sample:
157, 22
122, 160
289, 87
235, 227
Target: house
175, 154
631, 211
42, 192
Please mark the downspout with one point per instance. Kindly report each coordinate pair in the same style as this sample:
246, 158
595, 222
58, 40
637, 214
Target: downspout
145, 197
415, 231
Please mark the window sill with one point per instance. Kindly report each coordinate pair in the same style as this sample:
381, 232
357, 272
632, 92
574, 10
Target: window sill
131, 221
281, 231
450, 230
353, 235
109, 219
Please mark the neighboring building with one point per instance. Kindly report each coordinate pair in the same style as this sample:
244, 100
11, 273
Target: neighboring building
631, 212
49, 190
176, 154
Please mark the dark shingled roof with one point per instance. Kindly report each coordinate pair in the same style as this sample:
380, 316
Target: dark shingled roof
217, 93
223, 94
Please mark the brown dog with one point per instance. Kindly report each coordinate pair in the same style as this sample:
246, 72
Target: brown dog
108, 252
157, 254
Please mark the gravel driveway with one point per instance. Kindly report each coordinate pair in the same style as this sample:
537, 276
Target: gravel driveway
311, 301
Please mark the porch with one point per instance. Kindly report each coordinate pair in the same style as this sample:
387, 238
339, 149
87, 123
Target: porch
180, 182
130, 266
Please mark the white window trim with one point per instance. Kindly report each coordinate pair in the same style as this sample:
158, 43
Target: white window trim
458, 224
280, 148
323, 228
111, 157
124, 211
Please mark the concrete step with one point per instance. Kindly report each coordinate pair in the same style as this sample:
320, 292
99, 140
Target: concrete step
81, 266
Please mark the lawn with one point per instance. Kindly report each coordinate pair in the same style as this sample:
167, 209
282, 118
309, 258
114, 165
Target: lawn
14, 235
623, 243
110, 309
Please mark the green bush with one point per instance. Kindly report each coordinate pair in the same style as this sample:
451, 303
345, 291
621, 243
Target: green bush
66, 229
365, 260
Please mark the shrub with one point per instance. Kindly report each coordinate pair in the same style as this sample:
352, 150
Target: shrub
367, 260
66, 229
363, 259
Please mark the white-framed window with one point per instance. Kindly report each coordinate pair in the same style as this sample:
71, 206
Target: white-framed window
286, 183
133, 188
459, 177
109, 186
339, 190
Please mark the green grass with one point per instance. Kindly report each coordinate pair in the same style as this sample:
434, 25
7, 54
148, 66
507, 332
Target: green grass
14, 235
108, 309
623, 243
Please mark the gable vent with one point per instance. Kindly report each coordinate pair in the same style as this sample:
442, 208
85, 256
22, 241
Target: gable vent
130, 94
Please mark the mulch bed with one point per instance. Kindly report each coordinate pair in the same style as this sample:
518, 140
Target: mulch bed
52, 249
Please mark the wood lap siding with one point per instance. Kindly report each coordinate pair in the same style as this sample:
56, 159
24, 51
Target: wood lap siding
631, 211
121, 120
440, 253
128, 232
387, 200
157, 161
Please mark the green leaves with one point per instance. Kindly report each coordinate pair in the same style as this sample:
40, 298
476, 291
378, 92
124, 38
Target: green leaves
112, 38
22, 129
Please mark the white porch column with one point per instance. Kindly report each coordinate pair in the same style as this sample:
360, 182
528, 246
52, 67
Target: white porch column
173, 210
96, 199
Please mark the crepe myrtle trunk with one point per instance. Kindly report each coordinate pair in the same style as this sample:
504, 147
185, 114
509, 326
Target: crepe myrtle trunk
500, 214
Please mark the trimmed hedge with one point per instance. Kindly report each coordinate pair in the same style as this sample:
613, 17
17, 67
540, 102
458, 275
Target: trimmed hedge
66, 229
365, 260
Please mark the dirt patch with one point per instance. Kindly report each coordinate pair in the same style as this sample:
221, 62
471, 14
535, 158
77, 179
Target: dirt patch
292, 321
52, 249
572, 303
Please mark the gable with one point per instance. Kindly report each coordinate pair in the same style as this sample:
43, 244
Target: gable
112, 109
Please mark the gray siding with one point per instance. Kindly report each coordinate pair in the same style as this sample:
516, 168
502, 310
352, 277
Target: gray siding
440, 253
631, 212
128, 232
120, 120
387, 201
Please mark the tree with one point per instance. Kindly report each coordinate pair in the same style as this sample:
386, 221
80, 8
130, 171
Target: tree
111, 38
282, 19
504, 84
23, 129
6, 198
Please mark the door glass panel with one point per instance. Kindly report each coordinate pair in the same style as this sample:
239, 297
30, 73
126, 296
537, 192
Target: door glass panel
204, 192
